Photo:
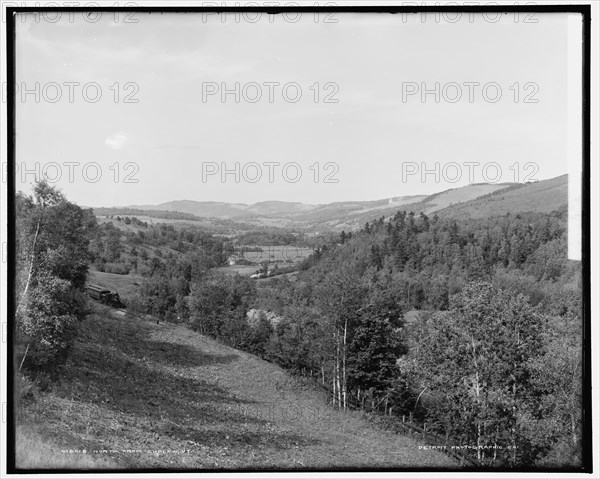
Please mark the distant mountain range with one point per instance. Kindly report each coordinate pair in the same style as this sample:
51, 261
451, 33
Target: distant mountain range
476, 200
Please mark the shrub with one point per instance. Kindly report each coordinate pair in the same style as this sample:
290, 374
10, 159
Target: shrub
49, 321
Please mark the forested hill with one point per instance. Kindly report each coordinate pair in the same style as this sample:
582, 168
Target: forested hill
494, 356
432, 257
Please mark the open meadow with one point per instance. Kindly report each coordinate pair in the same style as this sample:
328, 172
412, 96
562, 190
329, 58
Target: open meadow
136, 394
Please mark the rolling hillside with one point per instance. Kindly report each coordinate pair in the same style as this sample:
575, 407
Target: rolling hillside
476, 200
136, 394
125, 284
447, 198
541, 197
204, 209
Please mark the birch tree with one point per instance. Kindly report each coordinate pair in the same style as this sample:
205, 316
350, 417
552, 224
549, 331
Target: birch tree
340, 297
52, 238
475, 362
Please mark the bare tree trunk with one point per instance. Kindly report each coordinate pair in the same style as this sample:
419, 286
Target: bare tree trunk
514, 429
333, 385
477, 396
30, 273
344, 353
419, 397
24, 356
478, 440
28, 282
336, 371
339, 391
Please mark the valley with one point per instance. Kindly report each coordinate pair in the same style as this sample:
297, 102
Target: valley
135, 394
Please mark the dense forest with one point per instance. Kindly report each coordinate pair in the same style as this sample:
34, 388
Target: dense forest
502, 315
492, 360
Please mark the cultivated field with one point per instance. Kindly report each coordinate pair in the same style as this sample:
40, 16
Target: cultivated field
274, 254
136, 394
124, 284
241, 269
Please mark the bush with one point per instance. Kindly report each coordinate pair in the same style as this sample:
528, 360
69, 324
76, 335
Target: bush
135, 303
49, 321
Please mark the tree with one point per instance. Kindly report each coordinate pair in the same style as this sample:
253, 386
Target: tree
259, 335
340, 297
52, 255
474, 360
302, 340
556, 375
217, 303
376, 258
376, 345
50, 321
113, 246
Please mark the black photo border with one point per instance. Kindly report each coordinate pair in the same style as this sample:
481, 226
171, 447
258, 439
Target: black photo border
582, 9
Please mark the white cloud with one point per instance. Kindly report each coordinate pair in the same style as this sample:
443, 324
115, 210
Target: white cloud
116, 141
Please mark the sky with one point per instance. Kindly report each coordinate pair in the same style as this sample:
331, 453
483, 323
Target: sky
122, 113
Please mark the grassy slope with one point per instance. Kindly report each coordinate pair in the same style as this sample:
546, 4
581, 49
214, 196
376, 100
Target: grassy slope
544, 197
124, 284
241, 269
460, 195
133, 384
